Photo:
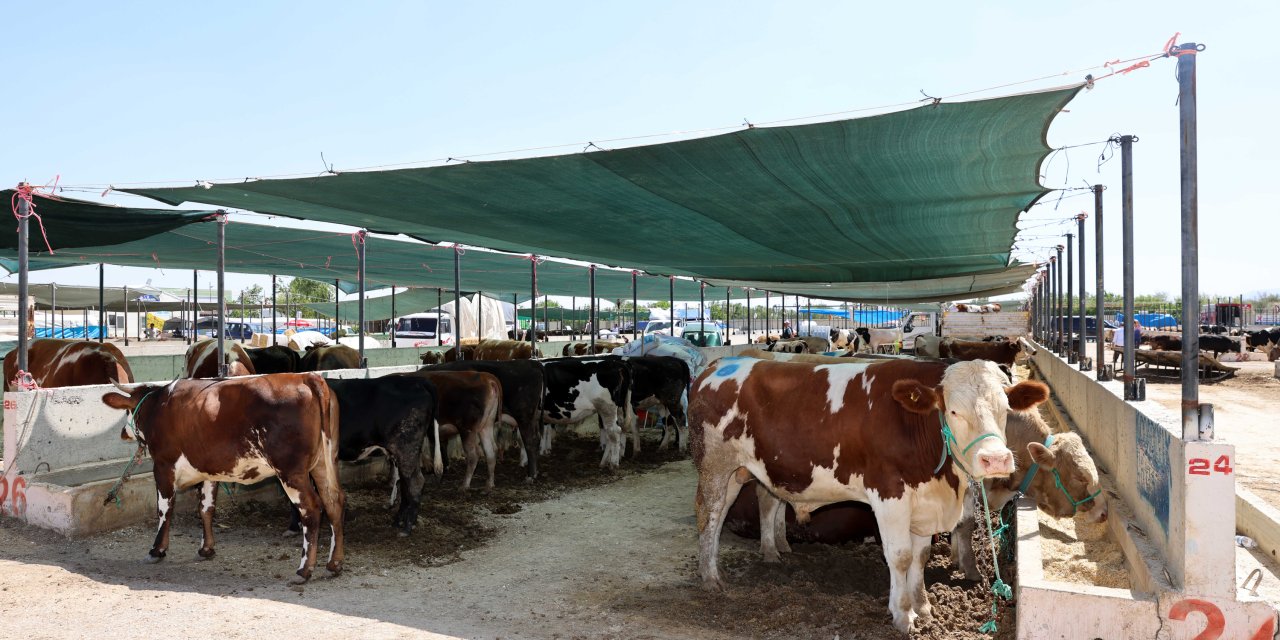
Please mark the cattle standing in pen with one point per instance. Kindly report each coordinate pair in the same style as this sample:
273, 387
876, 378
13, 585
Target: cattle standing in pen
578, 388
242, 430
329, 358
202, 360
469, 403
877, 433
275, 359
69, 363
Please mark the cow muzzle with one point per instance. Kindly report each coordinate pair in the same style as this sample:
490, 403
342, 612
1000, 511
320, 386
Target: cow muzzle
995, 463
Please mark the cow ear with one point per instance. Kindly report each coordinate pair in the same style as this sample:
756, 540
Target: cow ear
914, 396
1025, 395
118, 401
1040, 454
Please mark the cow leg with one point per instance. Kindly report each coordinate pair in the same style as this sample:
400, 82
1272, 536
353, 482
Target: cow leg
529, 451
490, 460
962, 543
773, 525
921, 548
403, 455
208, 493
303, 496
547, 432
395, 484
680, 417
471, 447
894, 519
716, 493
165, 490
334, 501
610, 436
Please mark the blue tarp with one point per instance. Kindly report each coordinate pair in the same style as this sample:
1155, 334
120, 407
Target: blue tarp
1152, 320
69, 333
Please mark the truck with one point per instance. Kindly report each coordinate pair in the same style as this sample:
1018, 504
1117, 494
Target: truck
427, 329
976, 326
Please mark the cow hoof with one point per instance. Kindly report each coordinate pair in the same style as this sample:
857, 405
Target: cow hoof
301, 578
714, 585
289, 533
335, 568
153, 557
772, 558
528, 480
205, 554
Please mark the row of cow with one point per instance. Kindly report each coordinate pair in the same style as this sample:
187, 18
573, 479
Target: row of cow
1264, 340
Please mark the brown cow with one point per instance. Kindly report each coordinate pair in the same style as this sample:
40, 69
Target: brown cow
69, 363
469, 403
503, 350
1162, 342
817, 434
242, 430
1003, 352
431, 357
202, 360
329, 358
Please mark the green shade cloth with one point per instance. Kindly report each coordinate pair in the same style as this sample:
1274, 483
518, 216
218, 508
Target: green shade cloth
928, 290
379, 308
73, 223
923, 193
67, 297
327, 256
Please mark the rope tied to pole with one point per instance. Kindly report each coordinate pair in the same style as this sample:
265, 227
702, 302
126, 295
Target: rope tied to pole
25, 192
24, 381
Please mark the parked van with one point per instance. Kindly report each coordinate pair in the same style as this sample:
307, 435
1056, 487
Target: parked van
424, 330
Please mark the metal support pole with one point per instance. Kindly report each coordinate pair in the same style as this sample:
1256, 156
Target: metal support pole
195, 306
124, 315
702, 301
1070, 313
222, 307
726, 316
273, 310
533, 305
748, 292
635, 309
1126, 233
24, 343
1084, 334
1192, 427
591, 271
1059, 317
440, 316
479, 315
337, 309
766, 313
393, 317
671, 298
573, 313
102, 303
457, 304
360, 253
1100, 349
1053, 302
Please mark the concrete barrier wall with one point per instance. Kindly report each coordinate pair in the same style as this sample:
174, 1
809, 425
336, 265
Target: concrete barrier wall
1186, 511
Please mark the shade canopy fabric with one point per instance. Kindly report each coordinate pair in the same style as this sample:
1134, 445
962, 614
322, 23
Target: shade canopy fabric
71, 223
329, 256
931, 192
964, 287
67, 297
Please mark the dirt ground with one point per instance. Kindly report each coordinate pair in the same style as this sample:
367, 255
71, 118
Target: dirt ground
581, 554
1246, 411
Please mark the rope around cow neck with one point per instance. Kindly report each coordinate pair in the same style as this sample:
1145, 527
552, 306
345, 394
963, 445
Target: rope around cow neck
131, 423
998, 587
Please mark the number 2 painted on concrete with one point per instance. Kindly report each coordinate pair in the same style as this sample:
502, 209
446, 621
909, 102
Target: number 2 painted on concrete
19, 499
1214, 621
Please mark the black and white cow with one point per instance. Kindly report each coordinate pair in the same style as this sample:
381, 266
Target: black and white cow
523, 386
659, 384
578, 388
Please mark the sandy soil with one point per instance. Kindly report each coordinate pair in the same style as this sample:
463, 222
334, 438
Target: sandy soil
1246, 414
580, 555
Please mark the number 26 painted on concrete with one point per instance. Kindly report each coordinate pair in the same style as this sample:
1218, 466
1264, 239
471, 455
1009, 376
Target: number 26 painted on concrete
15, 504
1214, 622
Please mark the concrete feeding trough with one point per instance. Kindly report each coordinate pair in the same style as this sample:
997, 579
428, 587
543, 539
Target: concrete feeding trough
1172, 512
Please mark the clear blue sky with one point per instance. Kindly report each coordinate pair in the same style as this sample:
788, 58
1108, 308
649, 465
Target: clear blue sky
130, 92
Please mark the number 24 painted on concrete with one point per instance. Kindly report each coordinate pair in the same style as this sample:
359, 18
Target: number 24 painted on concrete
1214, 621
1200, 466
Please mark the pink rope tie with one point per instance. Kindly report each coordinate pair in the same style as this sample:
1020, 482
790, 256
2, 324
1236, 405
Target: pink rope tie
25, 192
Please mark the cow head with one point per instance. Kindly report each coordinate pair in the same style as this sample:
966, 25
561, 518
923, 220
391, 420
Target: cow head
131, 400
1067, 478
975, 404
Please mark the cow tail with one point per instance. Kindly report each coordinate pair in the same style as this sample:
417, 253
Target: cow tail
437, 459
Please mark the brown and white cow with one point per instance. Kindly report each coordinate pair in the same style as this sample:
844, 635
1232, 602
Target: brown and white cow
502, 350
202, 360
586, 349
69, 363
242, 430
817, 434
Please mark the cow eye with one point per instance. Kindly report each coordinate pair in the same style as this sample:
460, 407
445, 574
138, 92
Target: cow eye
954, 413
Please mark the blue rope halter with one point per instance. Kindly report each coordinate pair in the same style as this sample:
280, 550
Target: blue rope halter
1057, 480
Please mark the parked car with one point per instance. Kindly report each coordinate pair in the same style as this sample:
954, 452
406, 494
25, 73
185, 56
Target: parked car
704, 334
664, 327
